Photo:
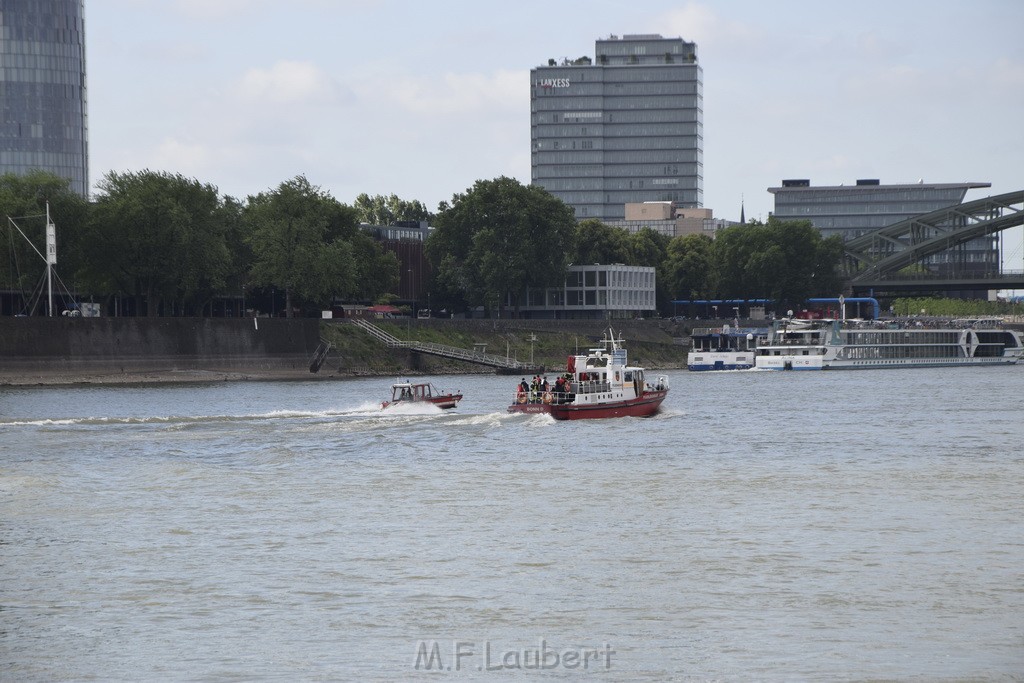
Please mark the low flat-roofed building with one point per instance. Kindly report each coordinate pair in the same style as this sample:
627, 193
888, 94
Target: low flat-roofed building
670, 220
594, 292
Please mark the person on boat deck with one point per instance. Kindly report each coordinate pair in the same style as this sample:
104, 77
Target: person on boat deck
545, 385
406, 393
523, 386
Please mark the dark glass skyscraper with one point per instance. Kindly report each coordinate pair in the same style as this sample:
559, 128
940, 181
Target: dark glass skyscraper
42, 89
624, 127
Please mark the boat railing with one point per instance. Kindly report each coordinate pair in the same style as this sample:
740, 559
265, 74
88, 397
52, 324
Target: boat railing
729, 331
590, 387
789, 341
544, 397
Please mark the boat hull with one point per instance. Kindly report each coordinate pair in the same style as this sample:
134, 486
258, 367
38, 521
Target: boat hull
816, 363
644, 406
720, 365
444, 402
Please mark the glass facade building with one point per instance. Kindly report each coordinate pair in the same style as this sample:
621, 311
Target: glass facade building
854, 210
593, 292
624, 127
42, 89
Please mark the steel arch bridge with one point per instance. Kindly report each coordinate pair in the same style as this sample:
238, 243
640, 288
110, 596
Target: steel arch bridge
875, 259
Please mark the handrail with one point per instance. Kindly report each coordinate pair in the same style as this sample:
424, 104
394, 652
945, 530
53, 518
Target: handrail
442, 350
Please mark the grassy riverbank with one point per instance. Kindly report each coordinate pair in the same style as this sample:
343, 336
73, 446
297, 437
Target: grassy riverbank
548, 343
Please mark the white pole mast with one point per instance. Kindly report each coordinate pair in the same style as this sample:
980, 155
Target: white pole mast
51, 259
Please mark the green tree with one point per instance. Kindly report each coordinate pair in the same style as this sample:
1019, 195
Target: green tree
499, 238
298, 238
689, 268
826, 277
157, 237
377, 271
240, 254
381, 210
787, 261
649, 247
597, 242
24, 198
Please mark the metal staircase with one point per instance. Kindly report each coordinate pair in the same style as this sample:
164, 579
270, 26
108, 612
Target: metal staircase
444, 351
320, 355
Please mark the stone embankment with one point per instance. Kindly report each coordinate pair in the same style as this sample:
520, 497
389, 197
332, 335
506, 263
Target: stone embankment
38, 350
133, 350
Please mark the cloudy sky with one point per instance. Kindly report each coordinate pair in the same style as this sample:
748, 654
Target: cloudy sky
421, 98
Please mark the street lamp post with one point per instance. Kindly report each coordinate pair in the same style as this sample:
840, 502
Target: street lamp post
412, 298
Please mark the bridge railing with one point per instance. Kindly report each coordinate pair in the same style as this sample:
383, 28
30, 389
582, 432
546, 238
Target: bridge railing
1002, 275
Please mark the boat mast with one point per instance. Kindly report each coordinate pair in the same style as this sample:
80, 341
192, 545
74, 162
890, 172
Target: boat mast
51, 259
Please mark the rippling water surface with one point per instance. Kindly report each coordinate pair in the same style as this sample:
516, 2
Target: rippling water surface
769, 526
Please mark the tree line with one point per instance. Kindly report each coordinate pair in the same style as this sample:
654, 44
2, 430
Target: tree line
163, 244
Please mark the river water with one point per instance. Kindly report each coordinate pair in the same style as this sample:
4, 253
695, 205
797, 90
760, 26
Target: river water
767, 526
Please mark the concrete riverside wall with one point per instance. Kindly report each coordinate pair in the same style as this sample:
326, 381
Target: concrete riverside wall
629, 330
65, 345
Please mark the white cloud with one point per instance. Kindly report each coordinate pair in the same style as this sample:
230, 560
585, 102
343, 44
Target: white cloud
181, 157
206, 10
451, 93
291, 83
1008, 74
230, 10
698, 23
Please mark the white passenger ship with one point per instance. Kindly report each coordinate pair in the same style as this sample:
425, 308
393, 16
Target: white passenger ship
796, 344
724, 348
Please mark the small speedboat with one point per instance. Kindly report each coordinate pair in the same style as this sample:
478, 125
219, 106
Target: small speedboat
421, 392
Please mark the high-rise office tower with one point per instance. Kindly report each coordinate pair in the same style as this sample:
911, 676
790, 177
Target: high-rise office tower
42, 89
623, 127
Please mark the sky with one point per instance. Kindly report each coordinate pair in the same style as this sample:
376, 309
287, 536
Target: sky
421, 99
